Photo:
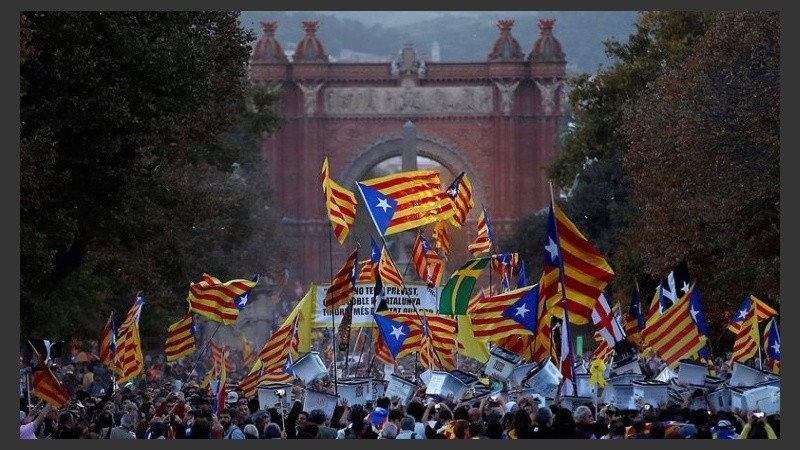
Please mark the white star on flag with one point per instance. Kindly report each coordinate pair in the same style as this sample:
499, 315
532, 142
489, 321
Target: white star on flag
552, 248
397, 332
382, 203
522, 310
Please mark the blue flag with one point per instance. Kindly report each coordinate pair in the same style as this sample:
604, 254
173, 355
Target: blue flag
394, 333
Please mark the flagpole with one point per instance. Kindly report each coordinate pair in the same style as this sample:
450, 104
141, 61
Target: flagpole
28, 386
333, 311
361, 352
189, 374
561, 279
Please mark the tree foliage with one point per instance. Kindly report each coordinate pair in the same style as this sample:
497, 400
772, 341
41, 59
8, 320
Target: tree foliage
588, 160
131, 123
704, 160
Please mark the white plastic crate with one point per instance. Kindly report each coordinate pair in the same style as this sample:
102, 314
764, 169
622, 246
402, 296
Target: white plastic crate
620, 395
501, 363
764, 398
309, 367
653, 392
355, 391
544, 378
313, 399
691, 373
583, 387
745, 376
520, 373
268, 395
452, 383
402, 388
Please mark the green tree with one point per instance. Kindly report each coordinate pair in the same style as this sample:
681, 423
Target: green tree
588, 161
704, 159
131, 123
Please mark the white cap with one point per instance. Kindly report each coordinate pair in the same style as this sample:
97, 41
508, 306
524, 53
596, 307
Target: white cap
232, 397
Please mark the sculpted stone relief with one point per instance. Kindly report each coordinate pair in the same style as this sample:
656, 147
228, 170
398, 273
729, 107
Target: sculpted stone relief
431, 100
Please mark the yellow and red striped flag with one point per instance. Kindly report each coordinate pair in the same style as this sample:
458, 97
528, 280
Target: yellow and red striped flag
130, 361
747, 339
405, 200
340, 204
341, 289
509, 313
248, 353
543, 347
45, 384
674, 334
278, 347
216, 356
763, 312
571, 263
133, 313
460, 193
483, 241
216, 300
249, 383
108, 343
442, 239
181, 338
388, 270
210, 375
442, 335
603, 350
427, 263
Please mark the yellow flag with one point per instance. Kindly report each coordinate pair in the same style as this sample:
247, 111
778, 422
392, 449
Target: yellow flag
305, 308
468, 345
596, 370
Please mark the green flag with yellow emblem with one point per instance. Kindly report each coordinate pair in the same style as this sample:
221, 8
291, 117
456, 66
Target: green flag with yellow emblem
458, 290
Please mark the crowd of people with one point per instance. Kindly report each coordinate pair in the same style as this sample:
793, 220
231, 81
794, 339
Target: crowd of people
166, 407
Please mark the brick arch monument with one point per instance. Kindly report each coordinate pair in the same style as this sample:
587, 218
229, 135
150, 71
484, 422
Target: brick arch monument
496, 119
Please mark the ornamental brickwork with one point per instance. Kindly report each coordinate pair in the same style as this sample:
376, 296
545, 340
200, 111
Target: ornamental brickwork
496, 119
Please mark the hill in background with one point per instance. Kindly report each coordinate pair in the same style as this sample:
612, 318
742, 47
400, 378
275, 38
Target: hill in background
460, 35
